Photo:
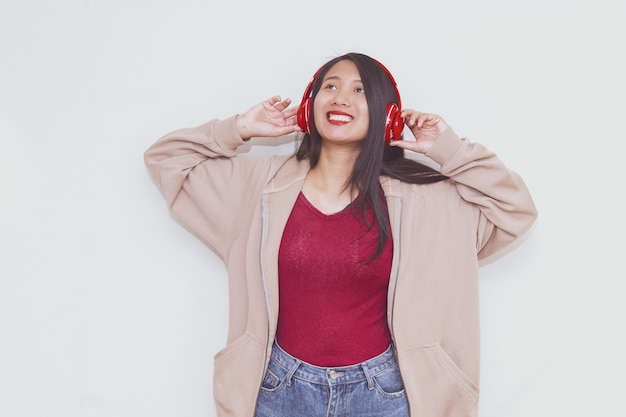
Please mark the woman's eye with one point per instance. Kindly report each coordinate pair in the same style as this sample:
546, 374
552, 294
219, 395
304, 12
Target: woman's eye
359, 90
330, 87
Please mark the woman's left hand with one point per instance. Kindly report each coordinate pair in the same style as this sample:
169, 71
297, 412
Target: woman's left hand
426, 129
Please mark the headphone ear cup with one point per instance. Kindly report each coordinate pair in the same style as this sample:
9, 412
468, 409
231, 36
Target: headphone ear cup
394, 125
303, 115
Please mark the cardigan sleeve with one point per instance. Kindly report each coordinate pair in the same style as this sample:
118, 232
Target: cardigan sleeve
208, 188
506, 208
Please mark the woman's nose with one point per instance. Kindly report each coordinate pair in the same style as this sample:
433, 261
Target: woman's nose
341, 99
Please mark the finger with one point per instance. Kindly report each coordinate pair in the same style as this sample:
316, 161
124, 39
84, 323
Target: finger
290, 127
408, 145
291, 112
271, 102
413, 118
424, 118
282, 105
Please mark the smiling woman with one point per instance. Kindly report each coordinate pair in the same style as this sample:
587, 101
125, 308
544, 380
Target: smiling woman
353, 268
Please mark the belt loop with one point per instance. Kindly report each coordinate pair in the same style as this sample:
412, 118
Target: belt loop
368, 376
292, 371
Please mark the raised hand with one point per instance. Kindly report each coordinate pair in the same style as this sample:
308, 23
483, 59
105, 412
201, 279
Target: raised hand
269, 118
426, 129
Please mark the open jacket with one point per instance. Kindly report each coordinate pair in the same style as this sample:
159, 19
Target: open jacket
238, 205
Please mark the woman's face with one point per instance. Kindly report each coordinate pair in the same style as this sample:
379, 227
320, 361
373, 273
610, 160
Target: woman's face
340, 109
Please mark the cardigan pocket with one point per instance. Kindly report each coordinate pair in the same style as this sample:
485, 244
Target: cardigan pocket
238, 370
457, 373
435, 384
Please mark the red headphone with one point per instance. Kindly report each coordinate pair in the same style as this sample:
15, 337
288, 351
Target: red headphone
394, 124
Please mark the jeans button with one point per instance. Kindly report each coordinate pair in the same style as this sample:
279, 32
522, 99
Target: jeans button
334, 374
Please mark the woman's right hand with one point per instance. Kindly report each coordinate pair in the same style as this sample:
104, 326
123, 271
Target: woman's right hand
270, 118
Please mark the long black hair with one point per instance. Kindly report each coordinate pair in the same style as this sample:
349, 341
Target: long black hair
376, 158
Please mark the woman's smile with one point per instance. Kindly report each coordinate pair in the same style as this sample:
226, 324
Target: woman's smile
338, 118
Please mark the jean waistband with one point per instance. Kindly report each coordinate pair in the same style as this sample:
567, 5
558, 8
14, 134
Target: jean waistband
335, 375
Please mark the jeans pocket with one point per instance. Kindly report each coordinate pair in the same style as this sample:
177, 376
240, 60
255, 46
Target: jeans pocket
389, 382
275, 377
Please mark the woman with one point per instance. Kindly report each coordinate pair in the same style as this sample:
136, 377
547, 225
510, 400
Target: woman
353, 271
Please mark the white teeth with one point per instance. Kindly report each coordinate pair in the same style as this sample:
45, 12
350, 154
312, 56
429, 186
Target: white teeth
339, 117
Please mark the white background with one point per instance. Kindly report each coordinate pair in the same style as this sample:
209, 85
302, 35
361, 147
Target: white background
110, 308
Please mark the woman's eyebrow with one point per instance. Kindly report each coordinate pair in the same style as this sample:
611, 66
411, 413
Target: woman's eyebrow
336, 77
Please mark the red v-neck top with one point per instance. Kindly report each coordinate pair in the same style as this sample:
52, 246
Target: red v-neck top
333, 303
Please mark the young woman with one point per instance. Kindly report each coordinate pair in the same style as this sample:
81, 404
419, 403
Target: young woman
353, 270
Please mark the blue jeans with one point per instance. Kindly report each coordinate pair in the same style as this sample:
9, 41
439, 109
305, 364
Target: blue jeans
292, 388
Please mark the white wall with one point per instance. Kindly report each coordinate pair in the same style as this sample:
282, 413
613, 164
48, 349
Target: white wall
109, 308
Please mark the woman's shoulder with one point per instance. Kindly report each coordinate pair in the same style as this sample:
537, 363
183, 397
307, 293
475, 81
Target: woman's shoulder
430, 191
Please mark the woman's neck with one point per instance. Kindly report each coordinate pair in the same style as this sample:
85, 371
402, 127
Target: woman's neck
326, 185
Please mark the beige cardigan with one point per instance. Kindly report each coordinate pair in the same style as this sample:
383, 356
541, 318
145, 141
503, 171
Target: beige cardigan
238, 205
